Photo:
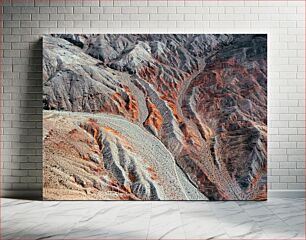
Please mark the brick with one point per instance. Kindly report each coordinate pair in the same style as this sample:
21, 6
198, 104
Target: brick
273, 179
121, 17
300, 165
130, 24
65, 24
6, 17
139, 3
10, 179
91, 3
106, 3
277, 186
98, 24
287, 117
210, 17
96, 9
167, 24
158, 17
185, 9
139, 17
73, 16
21, 31
129, 10
105, 17
288, 131
217, 10
37, 173
23, 3
190, 17
21, 16
230, 17
91, 16
231, 3
39, 31
296, 186
148, 24
157, 3
147, 9
20, 45
6, 31
202, 10
280, 172
296, 172
57, 17
27, 179
193, 3
112, 10
287, 9
81, 10
30, 10
47, 24
176, 17
19, 173
29, 23
261, 10
300, 179
65, 10
287, 165
166, 10
6, 172
287, 179
122, 3
297, 138
40, 16
295, 154
221, 24
50, 10
82, 24
41, 3
11, 9
176, 3
273, 165
59, 3
244, 10
113, 24
10, 24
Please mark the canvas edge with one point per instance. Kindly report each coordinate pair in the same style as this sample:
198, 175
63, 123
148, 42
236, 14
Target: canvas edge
37, 194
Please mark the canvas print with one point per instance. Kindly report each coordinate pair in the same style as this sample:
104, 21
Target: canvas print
155, 117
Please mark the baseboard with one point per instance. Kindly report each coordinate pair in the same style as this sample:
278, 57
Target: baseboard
286, 193
37, 194
22, 194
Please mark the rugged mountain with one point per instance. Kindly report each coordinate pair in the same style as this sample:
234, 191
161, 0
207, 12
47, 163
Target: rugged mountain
226, 103
203, 97
107, 157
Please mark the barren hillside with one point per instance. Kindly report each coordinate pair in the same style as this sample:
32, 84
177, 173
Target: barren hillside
191, 124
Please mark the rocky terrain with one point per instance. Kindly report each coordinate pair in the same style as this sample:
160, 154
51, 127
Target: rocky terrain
155, 117
102, 156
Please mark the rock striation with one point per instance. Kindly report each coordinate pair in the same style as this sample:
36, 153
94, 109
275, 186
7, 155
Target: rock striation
106, 157
202, 99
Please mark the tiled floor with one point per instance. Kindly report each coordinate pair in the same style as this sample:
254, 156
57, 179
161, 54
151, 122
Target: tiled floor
274, 219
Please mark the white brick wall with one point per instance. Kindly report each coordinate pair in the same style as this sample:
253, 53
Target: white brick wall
24, 21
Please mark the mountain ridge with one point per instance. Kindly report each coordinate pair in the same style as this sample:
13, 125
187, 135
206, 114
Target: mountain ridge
202, 96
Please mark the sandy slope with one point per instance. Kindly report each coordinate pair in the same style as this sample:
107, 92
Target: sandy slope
102, 156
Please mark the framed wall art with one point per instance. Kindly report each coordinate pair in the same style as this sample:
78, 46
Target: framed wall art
155, 117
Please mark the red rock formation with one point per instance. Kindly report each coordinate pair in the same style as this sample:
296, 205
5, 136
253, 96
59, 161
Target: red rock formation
154, 120
203, 96
230, 100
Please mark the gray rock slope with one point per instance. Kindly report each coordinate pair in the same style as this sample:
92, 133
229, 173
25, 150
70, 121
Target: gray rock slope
131, 157
203, 96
